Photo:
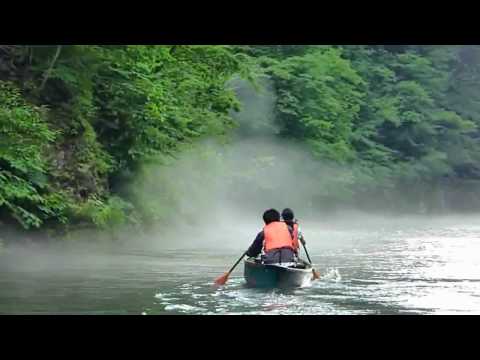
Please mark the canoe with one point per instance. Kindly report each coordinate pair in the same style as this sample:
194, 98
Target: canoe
277, 275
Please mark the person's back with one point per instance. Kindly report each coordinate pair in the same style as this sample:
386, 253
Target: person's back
289, 219
275, 241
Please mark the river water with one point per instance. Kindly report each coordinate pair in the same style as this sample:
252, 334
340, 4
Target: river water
417, 268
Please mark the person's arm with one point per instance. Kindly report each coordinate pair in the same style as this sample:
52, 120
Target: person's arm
296, 245
299, 234
256, 247
300, 237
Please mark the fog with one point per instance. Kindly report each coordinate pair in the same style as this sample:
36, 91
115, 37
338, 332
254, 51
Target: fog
219, 191
213, 195
222, 189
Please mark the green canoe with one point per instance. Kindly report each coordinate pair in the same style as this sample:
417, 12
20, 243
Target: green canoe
277, 275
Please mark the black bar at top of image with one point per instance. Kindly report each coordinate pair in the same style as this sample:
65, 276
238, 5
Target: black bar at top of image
243, 27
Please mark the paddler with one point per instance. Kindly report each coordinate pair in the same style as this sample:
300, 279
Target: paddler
275, 241
289, 218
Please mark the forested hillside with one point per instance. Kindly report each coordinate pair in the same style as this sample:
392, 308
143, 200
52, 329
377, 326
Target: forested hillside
79, 122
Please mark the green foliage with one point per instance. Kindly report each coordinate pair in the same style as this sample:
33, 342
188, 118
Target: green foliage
319, 98
110, 109
105, 214
153, 98
25, 137
397, 115
78, 123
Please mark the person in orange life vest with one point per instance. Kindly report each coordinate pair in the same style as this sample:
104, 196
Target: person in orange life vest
275, 241
289, 218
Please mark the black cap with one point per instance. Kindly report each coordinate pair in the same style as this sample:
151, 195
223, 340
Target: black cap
287, 214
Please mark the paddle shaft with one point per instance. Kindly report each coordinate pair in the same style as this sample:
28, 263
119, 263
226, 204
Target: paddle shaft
306, 252
316, 275
238, 261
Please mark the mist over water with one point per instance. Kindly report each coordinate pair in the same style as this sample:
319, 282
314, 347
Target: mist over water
376, 266
222, 189
216, 194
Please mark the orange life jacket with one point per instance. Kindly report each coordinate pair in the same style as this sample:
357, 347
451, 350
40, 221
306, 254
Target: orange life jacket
294, 233
276, 236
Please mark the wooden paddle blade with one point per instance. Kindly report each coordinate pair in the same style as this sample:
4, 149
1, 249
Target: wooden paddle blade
222, 280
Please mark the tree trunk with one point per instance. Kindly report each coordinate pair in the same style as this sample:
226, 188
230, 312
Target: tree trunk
52, 64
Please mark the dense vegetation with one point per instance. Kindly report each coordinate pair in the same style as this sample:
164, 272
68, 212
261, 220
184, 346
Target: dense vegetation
77, 123
403, 119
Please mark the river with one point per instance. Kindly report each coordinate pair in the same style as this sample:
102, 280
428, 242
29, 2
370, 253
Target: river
414, 268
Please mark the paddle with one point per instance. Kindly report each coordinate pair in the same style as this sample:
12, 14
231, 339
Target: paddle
316, 274
222, 280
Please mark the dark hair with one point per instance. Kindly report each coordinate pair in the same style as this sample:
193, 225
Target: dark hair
287, 214
270, 216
